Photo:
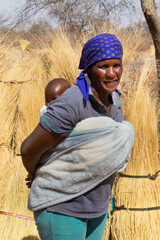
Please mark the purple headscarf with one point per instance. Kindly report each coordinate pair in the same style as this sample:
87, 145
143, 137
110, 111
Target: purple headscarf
100, 47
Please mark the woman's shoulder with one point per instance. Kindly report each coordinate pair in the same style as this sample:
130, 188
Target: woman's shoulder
64, 112
71, 96
73, 91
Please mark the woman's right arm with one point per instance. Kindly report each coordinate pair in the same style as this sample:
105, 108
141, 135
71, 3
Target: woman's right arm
32, 148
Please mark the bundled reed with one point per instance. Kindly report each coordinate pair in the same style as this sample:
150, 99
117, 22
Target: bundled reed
20, 91
23, 77
140, 110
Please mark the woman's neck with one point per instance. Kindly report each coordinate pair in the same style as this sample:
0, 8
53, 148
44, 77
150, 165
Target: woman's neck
104, 99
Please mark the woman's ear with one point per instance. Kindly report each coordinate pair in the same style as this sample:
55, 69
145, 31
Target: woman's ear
89, 72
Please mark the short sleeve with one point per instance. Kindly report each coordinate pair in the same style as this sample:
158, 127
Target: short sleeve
63, 113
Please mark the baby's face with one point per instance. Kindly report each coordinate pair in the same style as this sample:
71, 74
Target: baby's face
48, 101
54, 91
50, 96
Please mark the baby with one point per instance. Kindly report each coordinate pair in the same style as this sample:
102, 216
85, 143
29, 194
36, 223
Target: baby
53, 90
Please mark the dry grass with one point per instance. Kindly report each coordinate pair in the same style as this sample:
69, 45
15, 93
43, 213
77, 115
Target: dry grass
23, 76
140, 110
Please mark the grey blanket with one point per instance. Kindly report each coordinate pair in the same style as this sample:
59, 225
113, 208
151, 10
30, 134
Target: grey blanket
93, 151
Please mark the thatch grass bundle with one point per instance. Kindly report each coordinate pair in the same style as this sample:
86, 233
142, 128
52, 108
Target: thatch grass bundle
22, 82
23, 77
140, 110
14, 199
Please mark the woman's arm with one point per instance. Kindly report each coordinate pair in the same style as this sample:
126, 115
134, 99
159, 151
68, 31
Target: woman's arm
32, 148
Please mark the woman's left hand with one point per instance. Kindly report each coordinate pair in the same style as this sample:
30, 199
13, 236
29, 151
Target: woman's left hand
29, 181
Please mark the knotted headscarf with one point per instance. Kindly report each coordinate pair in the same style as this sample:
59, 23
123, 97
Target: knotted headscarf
100, 47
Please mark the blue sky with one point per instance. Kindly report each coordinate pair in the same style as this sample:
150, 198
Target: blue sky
8, 6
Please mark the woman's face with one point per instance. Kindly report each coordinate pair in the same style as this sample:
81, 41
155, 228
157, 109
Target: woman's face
105, 75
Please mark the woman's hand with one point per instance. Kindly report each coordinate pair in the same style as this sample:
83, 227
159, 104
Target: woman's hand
29, 181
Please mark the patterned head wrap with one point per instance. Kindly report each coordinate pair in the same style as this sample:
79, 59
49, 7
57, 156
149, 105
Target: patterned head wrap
100, 47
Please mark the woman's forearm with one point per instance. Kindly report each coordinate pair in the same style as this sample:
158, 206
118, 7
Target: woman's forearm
38, 142
30, 163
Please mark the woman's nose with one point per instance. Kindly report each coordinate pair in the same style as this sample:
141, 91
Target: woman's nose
110, 72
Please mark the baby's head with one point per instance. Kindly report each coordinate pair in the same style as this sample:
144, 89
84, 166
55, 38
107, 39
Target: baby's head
55, 88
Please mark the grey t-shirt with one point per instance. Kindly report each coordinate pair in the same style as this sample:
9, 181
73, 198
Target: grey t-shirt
61, 117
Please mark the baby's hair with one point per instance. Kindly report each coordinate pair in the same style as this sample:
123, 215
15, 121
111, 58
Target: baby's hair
55, 88
57, 80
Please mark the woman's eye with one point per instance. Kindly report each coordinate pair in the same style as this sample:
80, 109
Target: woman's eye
117, 65
103, 66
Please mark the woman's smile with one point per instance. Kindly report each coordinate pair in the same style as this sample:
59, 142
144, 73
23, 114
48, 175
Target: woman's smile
110, 82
